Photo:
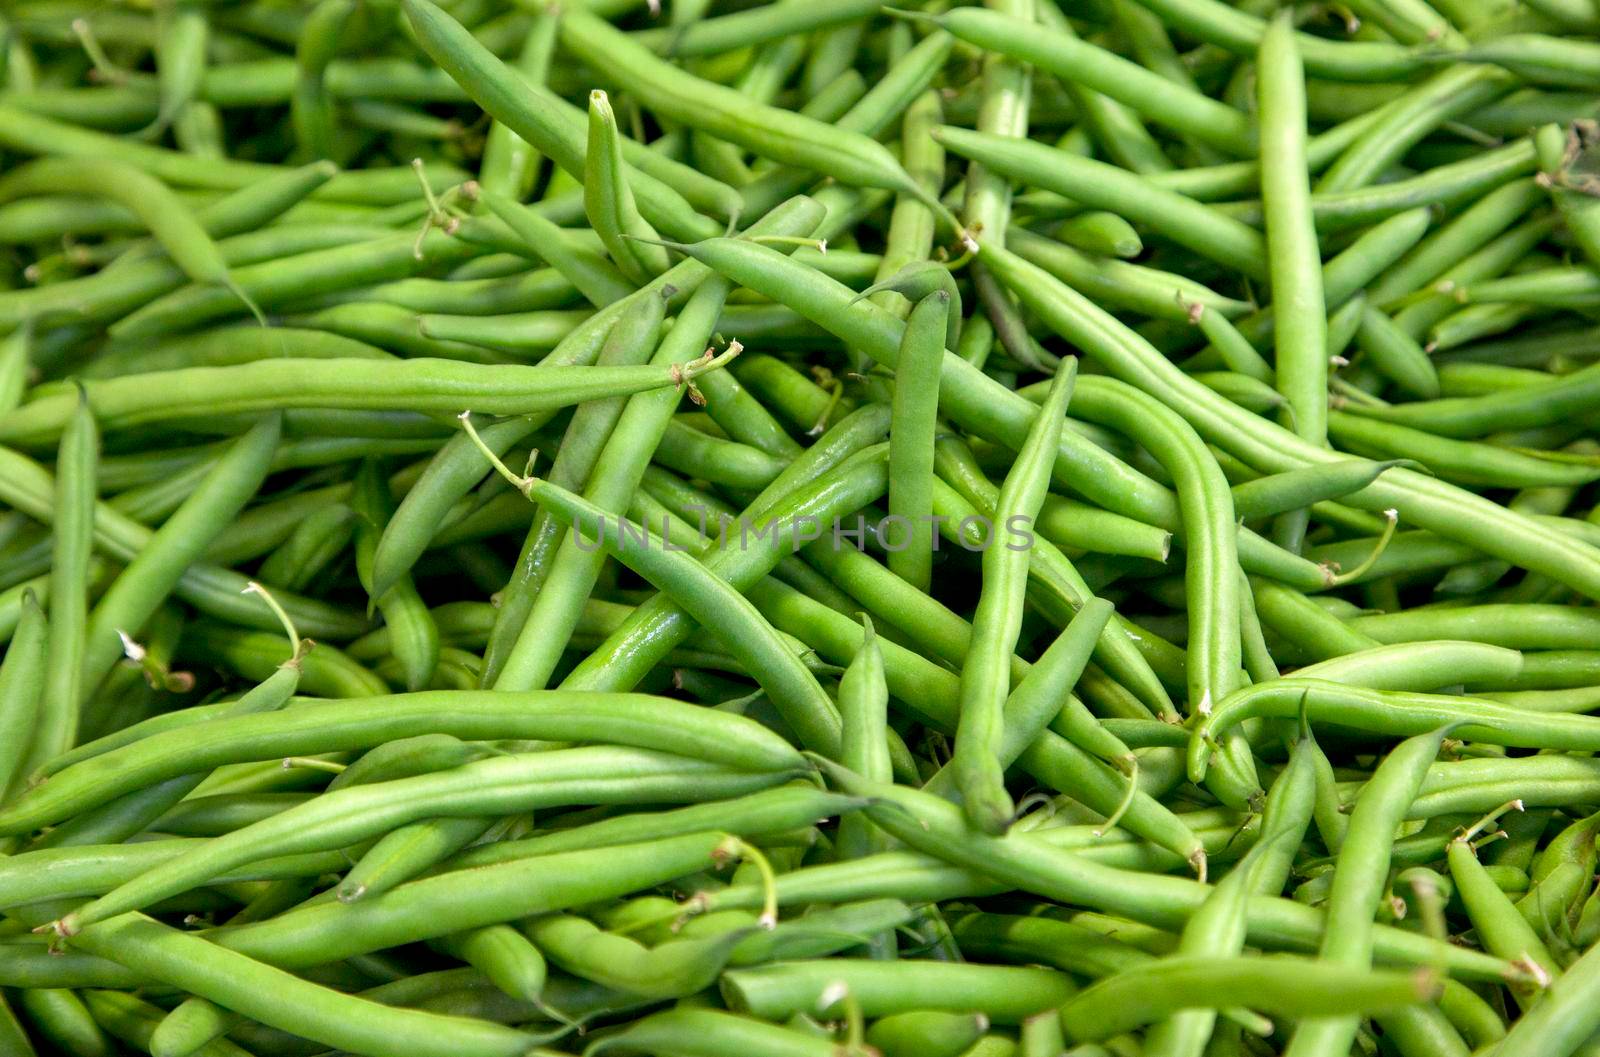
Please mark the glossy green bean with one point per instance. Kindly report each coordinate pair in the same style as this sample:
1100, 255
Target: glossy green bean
985, 679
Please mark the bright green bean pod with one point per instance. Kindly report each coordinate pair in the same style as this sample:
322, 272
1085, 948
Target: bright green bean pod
442, 386
1219, 927
926, 1033
1495, 917
520, 656
591, 273
985, 677
863, 709
148, 580
915, 411
608, 201
793, 689
60, 1017
73, 541
189, 1027
511, 100
509, 163
499, 785
1293, 987
400, 855
1241, 33
784, 136
675, 969
1396, 355
22, 679
1066, 56
699, 1032
457, 467
14, 366
1563, 1018
272, 996
1363, 867
1293, 489
1418, 666
414, 637
356, 724
1007, 993
1294, 261
167, 217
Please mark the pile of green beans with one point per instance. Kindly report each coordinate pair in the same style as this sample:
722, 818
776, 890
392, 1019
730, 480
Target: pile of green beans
809, 529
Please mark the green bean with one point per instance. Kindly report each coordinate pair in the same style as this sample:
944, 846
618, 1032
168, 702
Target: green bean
1151, 292
520, 654
659, 624
758, 815
355, 724
669, 970
1533, 627
902, 83
1099, 232
274, 997
696, 1032
1300, 320
1008, 994
1218, 928
591, 273
794, 690
509, 163
1460, 460
1495, 916
31, 134
431, 385
496, 785
328, 930
933, 1033
456, 467
609, 203
863, 708
1293, 489
1036, 702
1467, 233
911, 446
60, 1017
1002, 110
969, 396
784, 136
697, 454
517, 104
14, 366
61, 697
1409, 119
22, 680
1393, 712
505, 956
1561, 1021
135, 594
15, 1038
985, 682
1280, 924
1107, 187
1294, 987
168, 219
414, 637
1241, 33
1363, 862
1420, 500
1080, 62
1423, 665
1396, 355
